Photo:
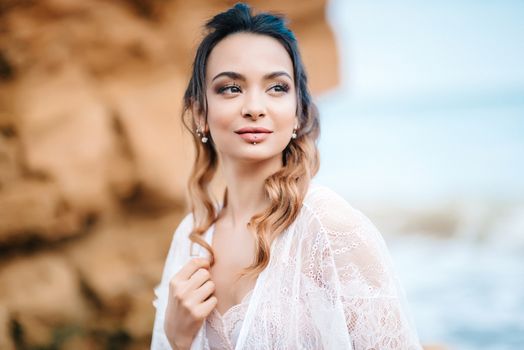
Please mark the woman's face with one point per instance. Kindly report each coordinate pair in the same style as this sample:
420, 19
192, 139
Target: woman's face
251, 97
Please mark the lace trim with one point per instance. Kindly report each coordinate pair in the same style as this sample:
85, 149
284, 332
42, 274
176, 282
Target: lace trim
225, 325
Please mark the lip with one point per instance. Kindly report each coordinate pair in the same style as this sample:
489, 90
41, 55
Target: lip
253, 130
254, 138
253, 135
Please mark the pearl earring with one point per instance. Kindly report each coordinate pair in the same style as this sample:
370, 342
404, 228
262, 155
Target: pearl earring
294, 134
200, 133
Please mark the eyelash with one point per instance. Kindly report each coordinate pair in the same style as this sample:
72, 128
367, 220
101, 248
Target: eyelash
283, 86
223, 89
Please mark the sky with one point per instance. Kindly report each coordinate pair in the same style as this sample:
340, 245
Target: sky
431, 104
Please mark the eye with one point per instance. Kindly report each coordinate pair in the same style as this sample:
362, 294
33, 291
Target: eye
229, 89
279, 87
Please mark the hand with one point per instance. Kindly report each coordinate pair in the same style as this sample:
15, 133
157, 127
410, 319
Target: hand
190, 301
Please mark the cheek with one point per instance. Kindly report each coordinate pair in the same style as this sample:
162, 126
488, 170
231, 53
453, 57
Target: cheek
220, 114
286, 113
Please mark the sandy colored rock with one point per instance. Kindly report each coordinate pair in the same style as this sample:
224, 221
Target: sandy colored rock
98, 36
44, 286
5, 329
141, 315
9, 152
118, 261
41, 293
35, 209
66, 134
149, 111
80, 342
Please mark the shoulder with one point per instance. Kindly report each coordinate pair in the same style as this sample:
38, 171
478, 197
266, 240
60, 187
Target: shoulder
354, 241
185, 224
332, 210
183, 229
341, 224
319, 196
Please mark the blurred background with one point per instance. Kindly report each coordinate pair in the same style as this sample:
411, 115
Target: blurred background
422, 108
425, 134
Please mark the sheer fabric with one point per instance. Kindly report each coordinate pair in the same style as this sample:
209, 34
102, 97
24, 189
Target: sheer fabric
329, 284
223, 330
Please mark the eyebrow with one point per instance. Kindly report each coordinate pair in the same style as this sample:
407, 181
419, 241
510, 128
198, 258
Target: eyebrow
238, 76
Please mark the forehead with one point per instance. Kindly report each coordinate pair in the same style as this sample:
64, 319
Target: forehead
248, 54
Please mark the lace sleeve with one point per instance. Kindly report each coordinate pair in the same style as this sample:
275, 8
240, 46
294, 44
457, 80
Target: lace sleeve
159, 339
373, 301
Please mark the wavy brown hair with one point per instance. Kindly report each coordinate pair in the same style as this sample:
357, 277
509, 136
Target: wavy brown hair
287, 187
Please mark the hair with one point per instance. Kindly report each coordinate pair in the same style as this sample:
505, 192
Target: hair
300, 158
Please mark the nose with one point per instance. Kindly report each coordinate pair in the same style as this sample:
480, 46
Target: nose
253, 106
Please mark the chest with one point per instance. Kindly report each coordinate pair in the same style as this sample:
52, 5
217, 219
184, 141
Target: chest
234, 251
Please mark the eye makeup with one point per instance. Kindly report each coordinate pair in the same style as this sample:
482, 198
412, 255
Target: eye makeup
232, 88
280, 87
228, 88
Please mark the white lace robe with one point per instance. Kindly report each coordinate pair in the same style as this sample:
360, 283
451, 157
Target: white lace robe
329, 285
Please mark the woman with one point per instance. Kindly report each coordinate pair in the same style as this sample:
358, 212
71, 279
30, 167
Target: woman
282, 264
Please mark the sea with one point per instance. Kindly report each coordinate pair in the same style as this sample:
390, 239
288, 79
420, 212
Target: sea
425, 135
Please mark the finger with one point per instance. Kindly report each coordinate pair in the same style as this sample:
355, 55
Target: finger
205, 308
202, 293
189, 269
198, 278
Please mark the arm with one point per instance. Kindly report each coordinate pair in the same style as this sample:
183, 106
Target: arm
368, 289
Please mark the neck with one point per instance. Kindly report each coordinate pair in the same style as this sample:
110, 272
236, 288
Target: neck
245, 188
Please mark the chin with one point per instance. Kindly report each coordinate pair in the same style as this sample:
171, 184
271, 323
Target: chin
258, 154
